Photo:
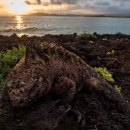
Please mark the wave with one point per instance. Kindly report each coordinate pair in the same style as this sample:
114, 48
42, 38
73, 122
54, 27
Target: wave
27, 29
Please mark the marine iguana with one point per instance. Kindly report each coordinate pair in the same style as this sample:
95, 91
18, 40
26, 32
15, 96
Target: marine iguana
50, 68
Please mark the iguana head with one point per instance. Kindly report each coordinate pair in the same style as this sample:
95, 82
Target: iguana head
28, 81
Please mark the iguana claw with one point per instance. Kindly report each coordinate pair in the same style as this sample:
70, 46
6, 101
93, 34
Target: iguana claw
80, 117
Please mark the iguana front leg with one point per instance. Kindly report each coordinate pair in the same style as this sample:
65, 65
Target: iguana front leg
64, 87
67, 89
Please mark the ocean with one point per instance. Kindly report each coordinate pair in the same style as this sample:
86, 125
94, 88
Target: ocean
41, 25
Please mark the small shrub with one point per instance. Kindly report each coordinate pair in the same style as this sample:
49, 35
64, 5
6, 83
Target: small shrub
8, 59
112, 52
106, 75
88, 36
119, 33
118, 89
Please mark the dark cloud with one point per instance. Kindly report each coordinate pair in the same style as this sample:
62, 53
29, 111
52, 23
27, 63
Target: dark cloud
39, 1
102, 3
108, 7
30, 2
52, 2
64, 1
122, 0
97, 6
27, 2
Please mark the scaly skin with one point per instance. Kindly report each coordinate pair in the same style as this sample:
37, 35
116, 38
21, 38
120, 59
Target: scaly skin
49, 68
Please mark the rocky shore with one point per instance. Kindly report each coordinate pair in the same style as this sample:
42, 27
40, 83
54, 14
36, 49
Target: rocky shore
99, 113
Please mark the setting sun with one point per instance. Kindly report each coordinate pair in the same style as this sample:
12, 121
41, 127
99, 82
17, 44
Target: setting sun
18, 7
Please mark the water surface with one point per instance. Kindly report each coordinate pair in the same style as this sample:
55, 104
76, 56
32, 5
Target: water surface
41, 25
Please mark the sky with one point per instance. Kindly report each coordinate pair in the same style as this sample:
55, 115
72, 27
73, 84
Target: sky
18, 7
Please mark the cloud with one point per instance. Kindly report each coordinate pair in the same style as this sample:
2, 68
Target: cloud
33, 2
58, 2
64, 1
85, 6
39, 1
104, 6
79, 6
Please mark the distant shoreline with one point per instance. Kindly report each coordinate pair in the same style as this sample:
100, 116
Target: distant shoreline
82, 15
73, 15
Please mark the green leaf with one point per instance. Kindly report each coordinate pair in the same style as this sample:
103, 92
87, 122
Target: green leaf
8, 59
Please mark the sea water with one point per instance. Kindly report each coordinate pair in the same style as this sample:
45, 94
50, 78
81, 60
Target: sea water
41, 25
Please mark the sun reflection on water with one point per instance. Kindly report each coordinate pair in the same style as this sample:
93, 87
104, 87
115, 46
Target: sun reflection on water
19, 22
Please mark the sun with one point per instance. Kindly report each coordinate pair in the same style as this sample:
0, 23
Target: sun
19, 7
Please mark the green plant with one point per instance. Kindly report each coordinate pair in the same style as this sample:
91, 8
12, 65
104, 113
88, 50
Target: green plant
8, 59
105, 73
118, 89
108, 76
119, 33
87, 36
112, 52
